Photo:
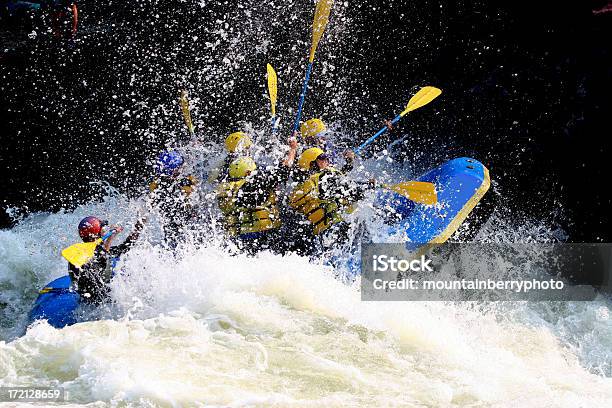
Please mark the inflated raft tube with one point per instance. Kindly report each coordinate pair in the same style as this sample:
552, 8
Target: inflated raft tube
460, 184
57, 303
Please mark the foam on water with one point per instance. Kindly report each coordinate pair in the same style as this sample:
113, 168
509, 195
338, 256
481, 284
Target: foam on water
216, 329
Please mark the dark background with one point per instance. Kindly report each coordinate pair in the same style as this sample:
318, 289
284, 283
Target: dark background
526, 91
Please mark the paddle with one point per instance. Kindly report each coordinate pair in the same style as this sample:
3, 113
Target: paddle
417, 191
272, 89
79, 254
421, 98
184, 102
321, 18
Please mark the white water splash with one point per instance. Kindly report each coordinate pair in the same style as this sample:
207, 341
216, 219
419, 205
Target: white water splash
212, 329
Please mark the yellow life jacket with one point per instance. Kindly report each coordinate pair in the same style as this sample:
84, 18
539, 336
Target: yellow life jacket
244, 220
321, 213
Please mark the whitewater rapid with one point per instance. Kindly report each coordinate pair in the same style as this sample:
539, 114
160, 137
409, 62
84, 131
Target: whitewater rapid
203, 328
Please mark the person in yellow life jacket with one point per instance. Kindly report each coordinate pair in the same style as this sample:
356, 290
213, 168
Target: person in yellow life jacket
325, 195
315, 134
237, 144
171, 193
249, 204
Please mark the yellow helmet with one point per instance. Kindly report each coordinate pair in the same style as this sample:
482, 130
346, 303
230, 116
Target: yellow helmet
240, 168
308, 156
237, 141
311, 128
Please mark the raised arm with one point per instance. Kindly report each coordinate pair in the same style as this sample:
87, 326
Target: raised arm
293, 145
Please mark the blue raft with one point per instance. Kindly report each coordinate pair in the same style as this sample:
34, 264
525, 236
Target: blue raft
460, 184
57, 303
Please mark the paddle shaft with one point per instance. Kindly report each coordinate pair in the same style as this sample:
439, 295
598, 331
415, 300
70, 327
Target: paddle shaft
380, 132
424, 96
108, 235
296, 125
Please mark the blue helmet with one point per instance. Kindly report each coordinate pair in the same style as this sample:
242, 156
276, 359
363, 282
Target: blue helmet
168, 161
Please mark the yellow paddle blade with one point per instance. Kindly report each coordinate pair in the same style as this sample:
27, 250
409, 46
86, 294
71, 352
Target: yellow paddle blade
417, 191
186, 113
80, 254
272, 88
321, 18
421, 98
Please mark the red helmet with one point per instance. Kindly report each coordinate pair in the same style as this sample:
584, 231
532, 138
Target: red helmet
90, 228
